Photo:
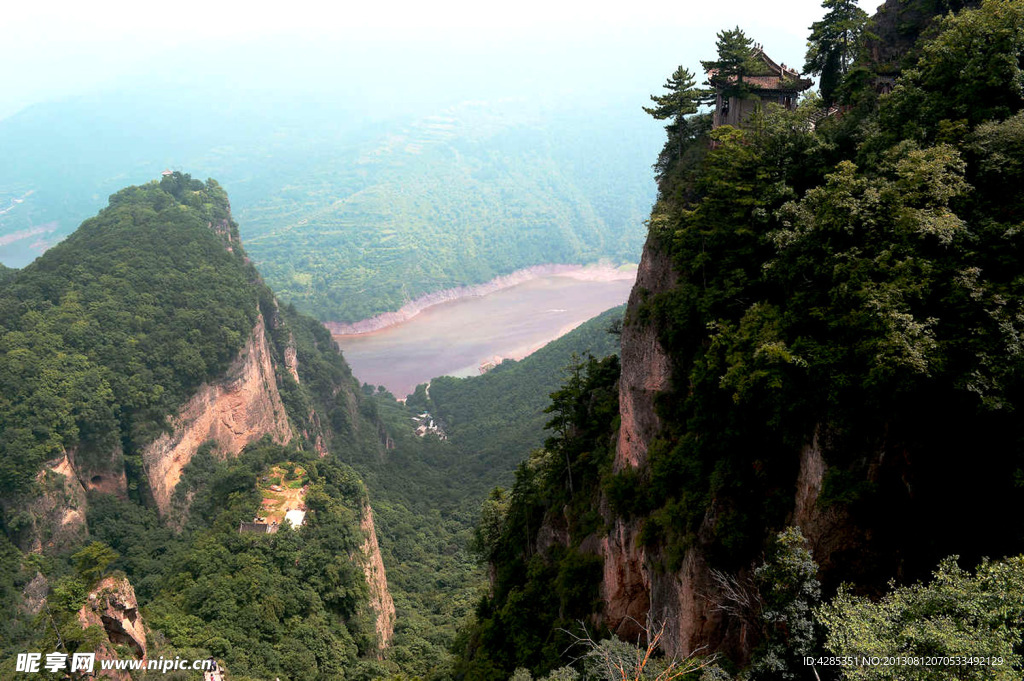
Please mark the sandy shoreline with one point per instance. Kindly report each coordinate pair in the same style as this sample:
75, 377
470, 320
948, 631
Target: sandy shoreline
596, 272
524, 351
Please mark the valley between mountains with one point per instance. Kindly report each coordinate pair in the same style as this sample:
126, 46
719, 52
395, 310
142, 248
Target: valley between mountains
787, 445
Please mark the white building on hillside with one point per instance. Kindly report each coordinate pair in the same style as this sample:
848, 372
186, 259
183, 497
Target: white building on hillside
296, 517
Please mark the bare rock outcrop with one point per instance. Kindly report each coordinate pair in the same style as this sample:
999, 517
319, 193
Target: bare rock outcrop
33, 595
101, 471
55, 518
240, 408
57, 515
112, 606
291, 359
646, 368
626, 584
635, 585
376, 579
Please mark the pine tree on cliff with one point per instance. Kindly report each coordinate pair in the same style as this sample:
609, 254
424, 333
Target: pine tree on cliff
833, 44
683, 99
735, 60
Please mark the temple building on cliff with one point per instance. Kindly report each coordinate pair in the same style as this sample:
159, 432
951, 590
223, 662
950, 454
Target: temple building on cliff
770, 83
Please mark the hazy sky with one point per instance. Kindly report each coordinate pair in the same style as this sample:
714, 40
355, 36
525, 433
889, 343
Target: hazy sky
54, 49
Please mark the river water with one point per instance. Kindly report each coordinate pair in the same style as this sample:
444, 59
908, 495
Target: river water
457, 337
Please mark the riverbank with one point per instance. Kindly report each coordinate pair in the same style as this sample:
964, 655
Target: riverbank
600, 272
457, 337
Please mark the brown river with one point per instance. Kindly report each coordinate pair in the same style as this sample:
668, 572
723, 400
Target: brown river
457, 338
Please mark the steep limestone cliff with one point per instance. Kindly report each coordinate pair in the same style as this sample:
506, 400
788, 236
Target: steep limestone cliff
104, 474
646, 370
240, 408
636, 588
377, 581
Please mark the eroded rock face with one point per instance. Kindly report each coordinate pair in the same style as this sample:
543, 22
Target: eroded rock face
688, 602
33, 596
636, 589
56, 517
291, 359
625, 586
240, 408
227, 232
376, 578
104, 473
838, 542
112, 606
646, 369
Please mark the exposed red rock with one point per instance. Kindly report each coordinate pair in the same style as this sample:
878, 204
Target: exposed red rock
240, 408
376, 579
112, 606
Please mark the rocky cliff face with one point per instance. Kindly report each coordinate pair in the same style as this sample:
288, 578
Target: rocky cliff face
376, 579
240, 408
55, 518
646, 370
646, 367
636, 588
112, 607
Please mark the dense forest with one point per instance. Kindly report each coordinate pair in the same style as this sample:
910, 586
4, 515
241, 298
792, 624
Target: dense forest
290, 605
843, 287
118, 325
6, 274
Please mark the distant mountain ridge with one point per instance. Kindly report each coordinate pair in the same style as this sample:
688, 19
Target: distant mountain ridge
345, 219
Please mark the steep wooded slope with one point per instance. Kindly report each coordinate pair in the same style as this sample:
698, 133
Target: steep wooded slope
824, 333
149, 379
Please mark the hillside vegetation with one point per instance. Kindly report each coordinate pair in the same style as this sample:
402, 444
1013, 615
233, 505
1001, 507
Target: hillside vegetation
849, 287
110, 332
103, 338
427, 492
118, 325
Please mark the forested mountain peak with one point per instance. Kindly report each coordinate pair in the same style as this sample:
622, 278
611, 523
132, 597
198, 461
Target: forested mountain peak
132, 312
149, 385
820, 379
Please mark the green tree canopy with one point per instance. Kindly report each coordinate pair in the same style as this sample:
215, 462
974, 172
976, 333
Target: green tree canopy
735, 60
956, 614
92, 561
834, 43
682, 99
